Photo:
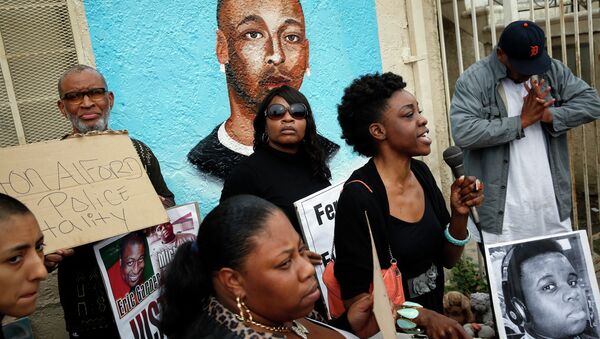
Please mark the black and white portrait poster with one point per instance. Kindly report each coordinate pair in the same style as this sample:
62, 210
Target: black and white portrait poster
544, 287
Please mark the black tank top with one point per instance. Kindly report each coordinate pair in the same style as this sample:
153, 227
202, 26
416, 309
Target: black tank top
417, 246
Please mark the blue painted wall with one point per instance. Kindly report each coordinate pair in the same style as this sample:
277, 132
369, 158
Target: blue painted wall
159, 60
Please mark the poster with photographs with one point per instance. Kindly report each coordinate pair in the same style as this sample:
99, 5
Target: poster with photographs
544, 287
133, 264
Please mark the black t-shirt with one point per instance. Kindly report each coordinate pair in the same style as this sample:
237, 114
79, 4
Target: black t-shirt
82, 293
275, 176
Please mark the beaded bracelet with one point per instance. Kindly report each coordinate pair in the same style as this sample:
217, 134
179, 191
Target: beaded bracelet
455, 241
407, 314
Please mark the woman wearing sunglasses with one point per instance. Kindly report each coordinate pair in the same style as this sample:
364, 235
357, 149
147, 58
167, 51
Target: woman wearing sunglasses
406, 210
289, 161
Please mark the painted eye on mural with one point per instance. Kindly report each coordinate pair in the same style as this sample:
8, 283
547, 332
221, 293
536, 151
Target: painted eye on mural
292, 38
253, 35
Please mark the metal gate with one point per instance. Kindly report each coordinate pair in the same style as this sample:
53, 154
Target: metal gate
469, 30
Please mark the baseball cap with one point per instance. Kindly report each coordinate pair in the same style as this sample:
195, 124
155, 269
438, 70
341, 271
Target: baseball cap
524, 43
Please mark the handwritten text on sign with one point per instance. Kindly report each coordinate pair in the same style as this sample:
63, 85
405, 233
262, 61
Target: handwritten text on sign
81, 189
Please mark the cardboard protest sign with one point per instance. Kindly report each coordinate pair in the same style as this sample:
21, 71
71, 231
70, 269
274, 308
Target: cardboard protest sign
132, 266
316, 214
544, 287
81, 189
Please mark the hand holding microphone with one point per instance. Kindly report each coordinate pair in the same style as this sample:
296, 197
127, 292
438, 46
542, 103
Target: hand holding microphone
466, 192
470, 191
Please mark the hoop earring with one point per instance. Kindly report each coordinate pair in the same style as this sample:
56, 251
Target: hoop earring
243, 310
265, 138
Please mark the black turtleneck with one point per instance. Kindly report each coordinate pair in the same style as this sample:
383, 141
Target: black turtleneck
275, 176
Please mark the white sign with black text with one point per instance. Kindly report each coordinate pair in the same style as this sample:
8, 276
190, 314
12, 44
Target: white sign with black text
316, 214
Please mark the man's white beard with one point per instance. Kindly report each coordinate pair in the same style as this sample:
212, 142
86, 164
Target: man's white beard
100, 124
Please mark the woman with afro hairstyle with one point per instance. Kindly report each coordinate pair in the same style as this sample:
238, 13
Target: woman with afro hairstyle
405, 207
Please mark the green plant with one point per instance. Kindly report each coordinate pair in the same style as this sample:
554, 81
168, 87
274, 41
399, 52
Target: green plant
466, 278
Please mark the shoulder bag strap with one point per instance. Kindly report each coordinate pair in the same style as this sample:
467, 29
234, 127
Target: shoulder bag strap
392, 259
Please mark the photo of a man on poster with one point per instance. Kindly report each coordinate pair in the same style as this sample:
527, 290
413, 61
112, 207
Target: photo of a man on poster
131, 268
167, 242
545, 288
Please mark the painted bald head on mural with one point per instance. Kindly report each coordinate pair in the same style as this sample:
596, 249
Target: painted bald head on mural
261, 44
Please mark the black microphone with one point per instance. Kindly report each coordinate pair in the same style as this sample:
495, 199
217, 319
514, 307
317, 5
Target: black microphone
453, 156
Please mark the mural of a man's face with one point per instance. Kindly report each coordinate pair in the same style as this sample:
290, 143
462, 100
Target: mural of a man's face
263, 45
132, 264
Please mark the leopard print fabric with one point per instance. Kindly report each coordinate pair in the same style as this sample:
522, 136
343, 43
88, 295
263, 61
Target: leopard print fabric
227, 319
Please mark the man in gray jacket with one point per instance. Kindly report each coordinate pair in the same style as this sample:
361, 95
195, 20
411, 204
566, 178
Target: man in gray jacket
510, 113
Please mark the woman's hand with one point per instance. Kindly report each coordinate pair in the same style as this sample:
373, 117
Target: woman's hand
361, 317
314, 258
52, 260
465, 192
438, 326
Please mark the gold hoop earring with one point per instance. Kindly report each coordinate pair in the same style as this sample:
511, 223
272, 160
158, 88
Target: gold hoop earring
243, 309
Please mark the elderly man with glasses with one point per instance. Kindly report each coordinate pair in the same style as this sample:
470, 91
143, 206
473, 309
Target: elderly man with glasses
86, 102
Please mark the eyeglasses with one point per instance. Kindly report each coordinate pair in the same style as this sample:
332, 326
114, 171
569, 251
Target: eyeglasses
95, 94
277, 111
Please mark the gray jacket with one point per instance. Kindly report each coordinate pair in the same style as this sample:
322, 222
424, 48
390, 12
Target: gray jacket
481, 126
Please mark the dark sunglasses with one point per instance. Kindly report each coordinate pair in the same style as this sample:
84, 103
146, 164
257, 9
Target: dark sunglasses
277, 111
95, 94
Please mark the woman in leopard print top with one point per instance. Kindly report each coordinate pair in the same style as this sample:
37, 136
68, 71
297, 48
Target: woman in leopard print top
247, 276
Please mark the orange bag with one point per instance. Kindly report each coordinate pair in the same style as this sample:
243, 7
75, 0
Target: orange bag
392, 278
